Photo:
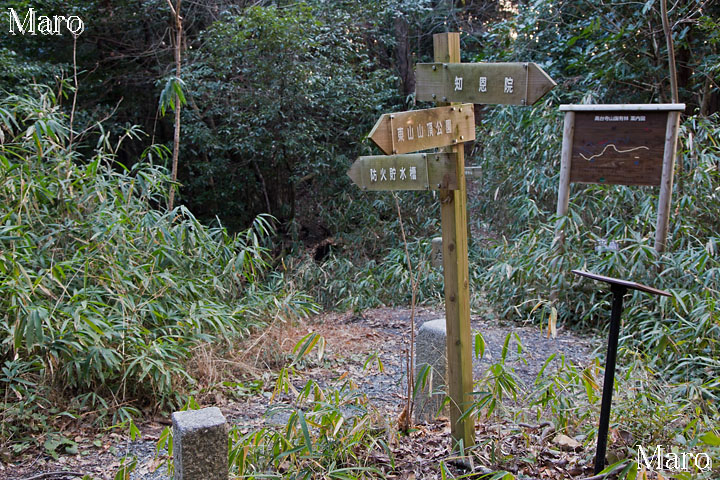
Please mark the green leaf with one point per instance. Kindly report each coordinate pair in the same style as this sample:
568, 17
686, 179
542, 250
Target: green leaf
305, 345
134, 431
479, 345
71, 449
502, 476
127, 466
422, 379
630, 471
305, 432
710, 438
165, 441
171, 94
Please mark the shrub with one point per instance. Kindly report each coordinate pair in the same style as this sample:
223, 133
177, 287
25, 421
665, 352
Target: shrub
679, 335
103, 293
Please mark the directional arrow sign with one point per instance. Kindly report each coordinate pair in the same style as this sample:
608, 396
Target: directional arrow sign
418, 171
415, 130
485, 83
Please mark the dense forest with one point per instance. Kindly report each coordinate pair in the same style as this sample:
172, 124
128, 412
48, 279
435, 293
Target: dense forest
174, 176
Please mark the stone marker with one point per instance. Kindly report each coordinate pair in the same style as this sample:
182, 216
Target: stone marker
430, 350
200, 445
436, 259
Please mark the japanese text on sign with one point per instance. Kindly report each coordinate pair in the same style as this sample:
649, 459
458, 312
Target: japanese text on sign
504, 83
414, 130
508, 86
619, 118
430, 129
393, 173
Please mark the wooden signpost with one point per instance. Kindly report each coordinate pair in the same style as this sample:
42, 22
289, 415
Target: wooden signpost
447, 127
486, 83
620, 145
416, 130
416, 171
453, 218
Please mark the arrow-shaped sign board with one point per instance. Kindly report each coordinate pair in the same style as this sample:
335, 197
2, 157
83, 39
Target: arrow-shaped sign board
484, 83
417, 171
415, 130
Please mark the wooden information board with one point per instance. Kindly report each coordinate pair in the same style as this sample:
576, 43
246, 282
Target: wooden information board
618, 147
631, 144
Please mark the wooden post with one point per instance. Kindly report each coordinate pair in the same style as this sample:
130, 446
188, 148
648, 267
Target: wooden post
565, 163
453, 215
666, 183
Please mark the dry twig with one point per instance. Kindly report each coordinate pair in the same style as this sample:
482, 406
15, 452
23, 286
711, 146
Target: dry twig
40, 476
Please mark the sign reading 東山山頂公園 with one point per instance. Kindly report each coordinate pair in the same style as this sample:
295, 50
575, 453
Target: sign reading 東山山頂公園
416, 130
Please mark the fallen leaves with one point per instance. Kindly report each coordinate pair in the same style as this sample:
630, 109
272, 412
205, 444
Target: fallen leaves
523, 450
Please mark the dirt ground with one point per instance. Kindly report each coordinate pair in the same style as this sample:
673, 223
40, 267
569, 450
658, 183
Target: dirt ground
350, 339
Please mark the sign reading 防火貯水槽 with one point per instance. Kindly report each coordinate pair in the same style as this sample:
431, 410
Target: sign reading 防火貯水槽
501, 83
416, 130
415, 171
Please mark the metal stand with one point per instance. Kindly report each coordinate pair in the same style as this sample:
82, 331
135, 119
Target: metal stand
618, 288
618, 292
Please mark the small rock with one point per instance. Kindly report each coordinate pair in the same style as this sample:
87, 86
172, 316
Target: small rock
566, 443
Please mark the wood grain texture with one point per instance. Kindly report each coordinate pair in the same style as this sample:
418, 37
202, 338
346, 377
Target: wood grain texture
415, 171
453, 214
565, 163
500, 83
623, 283
415, 130
666, 183
618, 147
624, 107
564, 184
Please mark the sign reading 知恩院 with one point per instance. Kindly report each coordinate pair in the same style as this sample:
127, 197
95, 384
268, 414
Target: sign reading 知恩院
486, 83
618, 147
415, 171
416, 130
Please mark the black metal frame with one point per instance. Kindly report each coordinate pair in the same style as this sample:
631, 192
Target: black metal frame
618, 288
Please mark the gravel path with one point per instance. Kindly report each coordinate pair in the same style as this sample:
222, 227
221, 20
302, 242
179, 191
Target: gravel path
350, 339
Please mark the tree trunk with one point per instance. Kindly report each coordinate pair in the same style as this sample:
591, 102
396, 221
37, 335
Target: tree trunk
671, 52
674, 95
176, 136
403, 57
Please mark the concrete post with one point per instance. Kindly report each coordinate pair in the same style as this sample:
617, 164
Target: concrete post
200, 445
430, 351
